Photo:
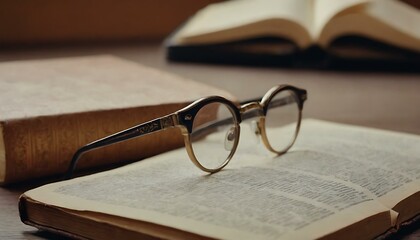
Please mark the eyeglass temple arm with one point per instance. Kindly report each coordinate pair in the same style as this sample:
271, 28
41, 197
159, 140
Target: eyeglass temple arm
205, 129
133, 132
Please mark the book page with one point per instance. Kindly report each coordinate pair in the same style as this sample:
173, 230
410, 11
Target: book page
244, 19
325, 10
388, 162
380, 161
308, 192
390, 21
398, 15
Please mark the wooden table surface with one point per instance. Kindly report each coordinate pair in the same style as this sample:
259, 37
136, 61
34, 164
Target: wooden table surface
381, 100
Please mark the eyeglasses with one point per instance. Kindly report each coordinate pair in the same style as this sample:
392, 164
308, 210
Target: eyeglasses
211, 129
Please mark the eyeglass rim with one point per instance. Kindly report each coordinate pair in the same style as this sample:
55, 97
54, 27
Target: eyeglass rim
301, 95
193, 158
263, 128
194, 107
186, 115
186, 119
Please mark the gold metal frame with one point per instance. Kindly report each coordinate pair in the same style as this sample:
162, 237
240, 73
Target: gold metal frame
184, 119
261, 124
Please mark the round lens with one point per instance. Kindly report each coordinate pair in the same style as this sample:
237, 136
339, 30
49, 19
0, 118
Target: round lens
214, 135
281, 122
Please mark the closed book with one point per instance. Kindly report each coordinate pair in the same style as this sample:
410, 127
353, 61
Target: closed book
50, 108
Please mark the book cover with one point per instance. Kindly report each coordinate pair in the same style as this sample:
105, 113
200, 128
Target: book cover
52, 107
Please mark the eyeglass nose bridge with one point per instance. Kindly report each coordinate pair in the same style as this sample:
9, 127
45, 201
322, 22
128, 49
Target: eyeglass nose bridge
252, 110
256, 106
256, 109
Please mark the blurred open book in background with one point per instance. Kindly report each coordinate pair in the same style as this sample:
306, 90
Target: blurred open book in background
319, 33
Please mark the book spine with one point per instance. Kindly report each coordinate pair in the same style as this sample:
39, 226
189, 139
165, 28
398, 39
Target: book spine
24, 213
43, 146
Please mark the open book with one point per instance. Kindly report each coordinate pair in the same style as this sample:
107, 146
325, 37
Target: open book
338, 182
375, 29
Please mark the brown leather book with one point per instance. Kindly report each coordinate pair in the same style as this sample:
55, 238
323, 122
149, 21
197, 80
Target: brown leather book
50, 108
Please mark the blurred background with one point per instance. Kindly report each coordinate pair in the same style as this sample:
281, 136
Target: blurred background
28, 22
